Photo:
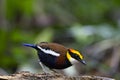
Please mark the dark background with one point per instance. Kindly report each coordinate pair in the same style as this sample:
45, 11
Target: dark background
90, 26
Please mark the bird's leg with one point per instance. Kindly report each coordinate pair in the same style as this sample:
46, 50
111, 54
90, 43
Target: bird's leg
54, 70
43, 68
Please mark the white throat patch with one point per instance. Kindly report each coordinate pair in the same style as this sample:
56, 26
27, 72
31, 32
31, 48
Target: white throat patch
73, 61
49, 51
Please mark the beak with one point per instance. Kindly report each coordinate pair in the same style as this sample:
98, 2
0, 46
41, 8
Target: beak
30, 45
82, 61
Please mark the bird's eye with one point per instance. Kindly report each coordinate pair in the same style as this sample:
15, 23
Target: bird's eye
76, 56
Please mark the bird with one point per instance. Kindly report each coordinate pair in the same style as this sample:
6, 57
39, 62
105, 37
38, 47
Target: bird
56, 56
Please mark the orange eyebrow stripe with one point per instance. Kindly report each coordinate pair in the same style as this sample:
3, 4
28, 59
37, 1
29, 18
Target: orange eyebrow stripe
74, 51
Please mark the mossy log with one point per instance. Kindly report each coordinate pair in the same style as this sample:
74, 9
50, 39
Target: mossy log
55, 76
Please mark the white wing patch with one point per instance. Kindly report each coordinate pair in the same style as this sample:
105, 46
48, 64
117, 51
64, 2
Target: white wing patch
49, 51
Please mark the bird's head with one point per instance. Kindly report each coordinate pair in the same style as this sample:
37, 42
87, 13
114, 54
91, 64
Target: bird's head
74, 54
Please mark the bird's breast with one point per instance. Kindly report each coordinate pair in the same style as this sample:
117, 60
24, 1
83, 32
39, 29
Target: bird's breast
54, 62
62, 62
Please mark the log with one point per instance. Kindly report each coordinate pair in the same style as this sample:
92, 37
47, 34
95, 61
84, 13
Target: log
25, 75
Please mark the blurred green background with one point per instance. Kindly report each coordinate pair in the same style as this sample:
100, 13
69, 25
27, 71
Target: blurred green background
90, 26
